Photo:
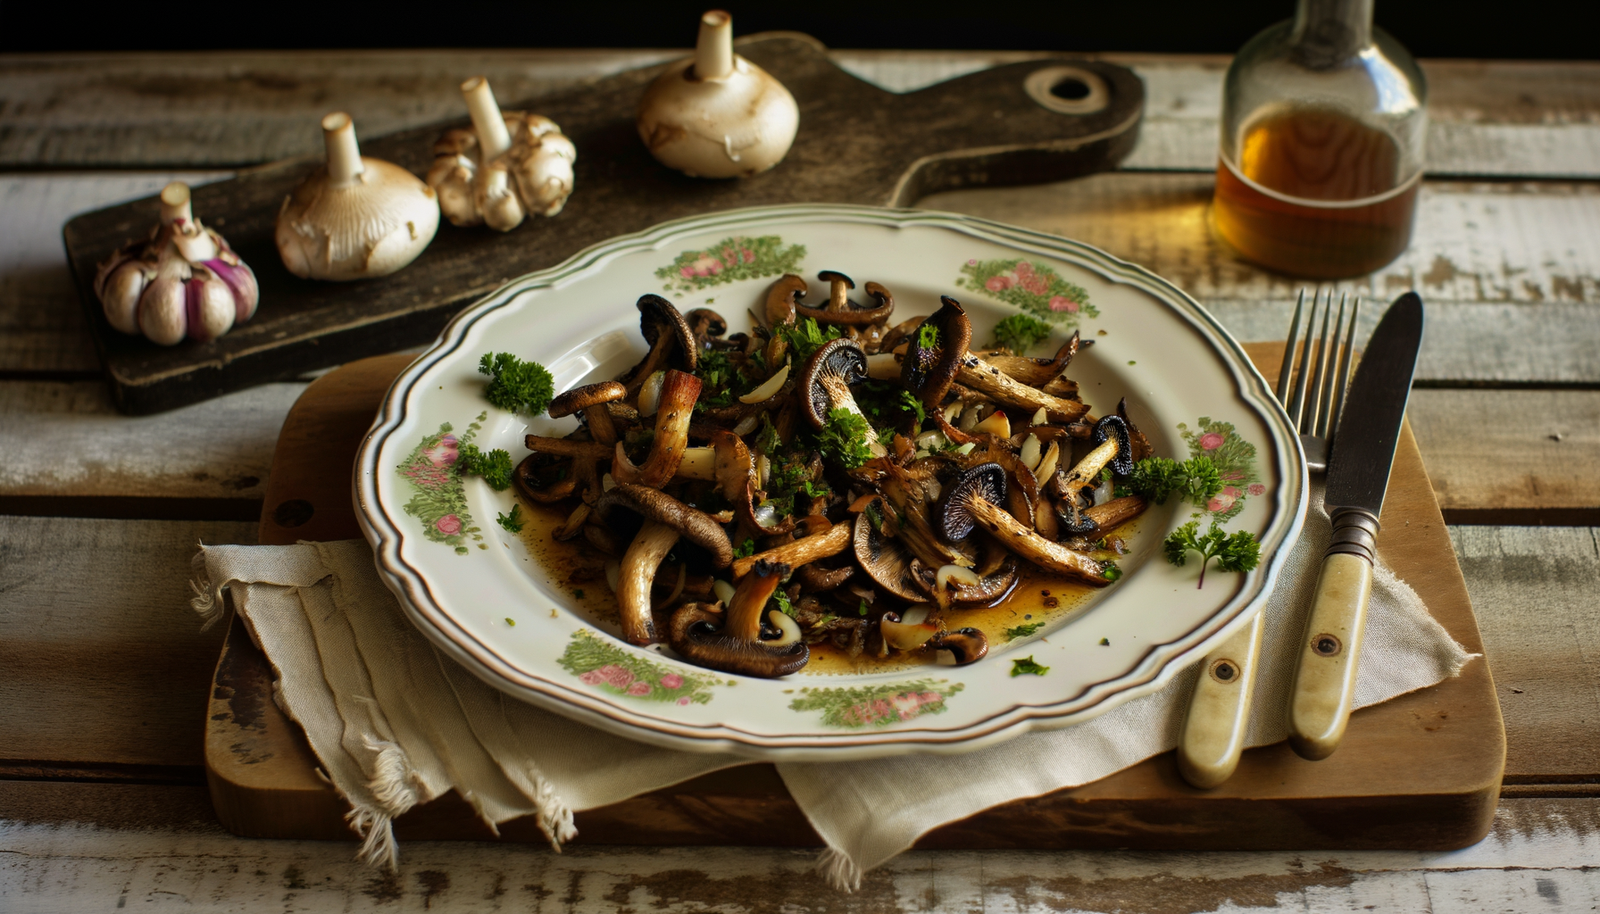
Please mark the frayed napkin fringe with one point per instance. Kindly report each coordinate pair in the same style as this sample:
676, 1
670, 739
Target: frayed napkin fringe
841, 872
207, 600
378, 846
555, 816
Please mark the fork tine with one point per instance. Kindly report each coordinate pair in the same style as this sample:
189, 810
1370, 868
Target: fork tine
1320, 373
1297, 407
1325, 389
1345, 358
1286, 373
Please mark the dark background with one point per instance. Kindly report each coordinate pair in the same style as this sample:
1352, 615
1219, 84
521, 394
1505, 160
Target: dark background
1536, 29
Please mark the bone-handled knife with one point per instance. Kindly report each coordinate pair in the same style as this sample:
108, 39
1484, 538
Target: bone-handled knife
1358, 476
1213, 732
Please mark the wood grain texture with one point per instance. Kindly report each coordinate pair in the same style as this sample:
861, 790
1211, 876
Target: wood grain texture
1544, 662
72, 848
97, 671
263, 783
1487, 118
974, 131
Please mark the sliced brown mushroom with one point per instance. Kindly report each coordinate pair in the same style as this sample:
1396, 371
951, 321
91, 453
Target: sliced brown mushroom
732, 640
671, 341
841, 310
665, 520
1105, 517
905, 635
825, 380
909, 509
1139, 445
934, 352
544, 481
783, 299
885, 561
592, 400
706, 325
954, 584
974, 498
679, 391
967, 645
1035, 372
1110, 437
981, 376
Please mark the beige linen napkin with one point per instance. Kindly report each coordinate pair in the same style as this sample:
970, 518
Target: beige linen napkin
396, 723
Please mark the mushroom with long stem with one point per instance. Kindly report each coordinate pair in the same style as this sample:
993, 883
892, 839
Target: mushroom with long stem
666, 520
354, 217
735, 642
839, 309
679, 391
974, 499
934, 352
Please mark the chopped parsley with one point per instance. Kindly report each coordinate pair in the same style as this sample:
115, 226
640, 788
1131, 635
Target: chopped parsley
1019, 332
1159, 478
515, 385
844, 439
1105, 642
862, 609
927, 335
784, 606
1023, 631
494, 467
805, 336
745, 549
1027, 666
1111, 572
1237, 551
512, 521
722, 383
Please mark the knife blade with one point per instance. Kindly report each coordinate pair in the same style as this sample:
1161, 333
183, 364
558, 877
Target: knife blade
1358, 477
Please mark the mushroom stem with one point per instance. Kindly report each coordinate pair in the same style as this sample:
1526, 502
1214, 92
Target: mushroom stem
800, 552
650, 545
713, 52
1033, 547
679, 391
981, 376
493, 137
175, 204
750, 598
344, 156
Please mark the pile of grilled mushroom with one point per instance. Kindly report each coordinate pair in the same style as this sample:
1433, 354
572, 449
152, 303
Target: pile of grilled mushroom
724, 450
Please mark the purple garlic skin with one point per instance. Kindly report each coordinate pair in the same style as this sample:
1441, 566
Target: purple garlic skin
153, 287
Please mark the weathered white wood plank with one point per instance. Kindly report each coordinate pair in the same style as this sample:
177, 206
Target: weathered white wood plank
79, 855
1508, 271
67, 439
42, 326
1544, 660
1488, 118
1507, 268
102, 658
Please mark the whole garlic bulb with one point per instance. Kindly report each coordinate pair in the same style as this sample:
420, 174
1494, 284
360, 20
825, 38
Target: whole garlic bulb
717, 115
509, 164
355, 217
182, 281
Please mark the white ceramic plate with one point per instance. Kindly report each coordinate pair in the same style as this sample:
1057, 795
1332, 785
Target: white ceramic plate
464, 580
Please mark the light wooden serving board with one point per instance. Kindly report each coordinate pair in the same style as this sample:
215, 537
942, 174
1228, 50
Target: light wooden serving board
1422, 771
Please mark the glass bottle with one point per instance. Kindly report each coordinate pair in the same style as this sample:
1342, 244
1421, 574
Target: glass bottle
1323, 120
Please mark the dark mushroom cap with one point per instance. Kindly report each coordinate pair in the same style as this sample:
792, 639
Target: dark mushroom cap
832, 276
967, 644
586, 396
886, 562
782, 299
836, 363
695, 525
696, 633
1140, 444
663, 326
929, 371
852, 314
1072, 520
535, 477
952, 517
1122, 464
991, 587
706, 322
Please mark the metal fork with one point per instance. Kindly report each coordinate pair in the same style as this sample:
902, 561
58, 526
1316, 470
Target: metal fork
1219, 712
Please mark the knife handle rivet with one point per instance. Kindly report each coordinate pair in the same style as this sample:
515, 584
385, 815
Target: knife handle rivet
1326, 645
1225, 671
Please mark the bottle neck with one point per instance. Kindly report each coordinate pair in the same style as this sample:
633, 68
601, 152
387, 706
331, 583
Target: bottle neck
1327, 32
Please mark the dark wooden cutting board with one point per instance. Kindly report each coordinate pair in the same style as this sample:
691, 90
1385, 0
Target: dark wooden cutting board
857, 143
1421, 771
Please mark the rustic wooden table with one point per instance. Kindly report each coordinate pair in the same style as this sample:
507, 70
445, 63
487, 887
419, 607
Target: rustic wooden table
104, 674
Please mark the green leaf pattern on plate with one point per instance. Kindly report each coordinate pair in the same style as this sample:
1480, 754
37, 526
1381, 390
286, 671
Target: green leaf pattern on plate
1235, 459
1035, 288
877, 706
730, 260
439, 499
601, 662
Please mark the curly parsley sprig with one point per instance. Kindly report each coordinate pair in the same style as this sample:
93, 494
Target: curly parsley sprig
1159, 478
494, 466
1237, 551
516, 385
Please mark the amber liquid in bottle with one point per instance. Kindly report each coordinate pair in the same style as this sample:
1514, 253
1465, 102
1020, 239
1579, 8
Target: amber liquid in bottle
1315, 193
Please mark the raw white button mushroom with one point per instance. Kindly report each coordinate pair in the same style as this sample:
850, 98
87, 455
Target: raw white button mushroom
355, 217
509, 164
182, 281
717, 115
